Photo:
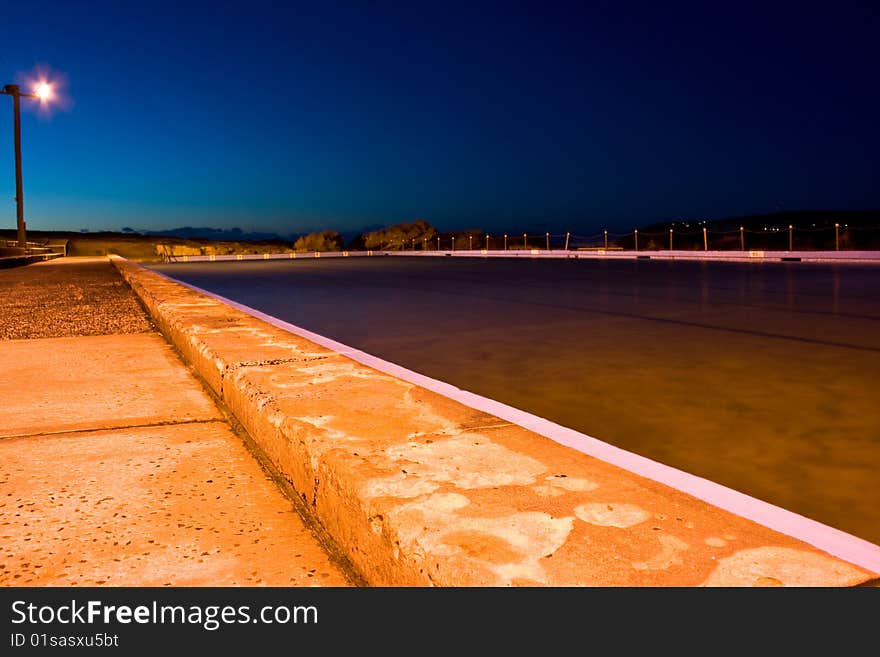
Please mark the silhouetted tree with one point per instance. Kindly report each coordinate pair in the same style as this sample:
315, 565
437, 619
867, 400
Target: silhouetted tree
398, 237
325, 240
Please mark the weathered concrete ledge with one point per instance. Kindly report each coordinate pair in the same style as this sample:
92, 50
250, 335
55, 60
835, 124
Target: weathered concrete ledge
421, 490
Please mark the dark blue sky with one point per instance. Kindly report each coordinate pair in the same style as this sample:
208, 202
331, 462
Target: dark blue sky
288, 117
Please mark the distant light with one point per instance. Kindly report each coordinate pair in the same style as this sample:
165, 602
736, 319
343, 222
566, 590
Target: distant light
43, 91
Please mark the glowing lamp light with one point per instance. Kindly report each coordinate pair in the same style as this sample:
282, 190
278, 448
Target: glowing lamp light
43, 91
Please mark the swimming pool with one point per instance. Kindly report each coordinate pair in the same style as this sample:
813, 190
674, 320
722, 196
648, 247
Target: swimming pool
761, 376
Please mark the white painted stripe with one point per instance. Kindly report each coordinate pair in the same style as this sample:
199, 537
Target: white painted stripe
834, 541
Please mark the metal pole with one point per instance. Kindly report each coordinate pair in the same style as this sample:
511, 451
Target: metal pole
670, 239
636, 233
567, 235
438, 242
453, 243
705, 241
14, 91
606, 240
470, 242
525, 241
487, 241
505, 241
837, 237
548, 241
789, 237
742, 239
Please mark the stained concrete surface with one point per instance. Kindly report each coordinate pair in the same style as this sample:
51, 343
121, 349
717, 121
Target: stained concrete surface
94, 382
116, 467
65, 297
177, 505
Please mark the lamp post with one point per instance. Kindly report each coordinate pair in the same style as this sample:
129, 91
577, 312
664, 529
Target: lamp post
42, 93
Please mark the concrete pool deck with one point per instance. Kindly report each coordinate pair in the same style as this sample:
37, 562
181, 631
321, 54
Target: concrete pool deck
420, 489
116, 466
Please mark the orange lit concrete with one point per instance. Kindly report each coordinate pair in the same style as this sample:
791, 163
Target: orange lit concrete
176, 505
422, 490
116, 466
95, 382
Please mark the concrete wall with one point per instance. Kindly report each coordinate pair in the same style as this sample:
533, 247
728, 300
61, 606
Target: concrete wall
863, 257
419, 489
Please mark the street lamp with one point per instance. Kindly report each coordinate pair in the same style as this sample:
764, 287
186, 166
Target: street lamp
41, 93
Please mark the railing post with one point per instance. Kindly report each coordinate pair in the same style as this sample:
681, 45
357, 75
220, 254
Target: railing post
636, 233
548, 241
470, 242
789, 237
742, 239
837, 237
487, 241
670, 239
525, 241
453, 243
606, 239
705, 240
438, 242
505, 241
567, 235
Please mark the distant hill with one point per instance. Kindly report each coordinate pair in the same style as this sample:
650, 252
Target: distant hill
147, 247
209, 233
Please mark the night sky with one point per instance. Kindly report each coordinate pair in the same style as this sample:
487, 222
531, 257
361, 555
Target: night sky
289, 117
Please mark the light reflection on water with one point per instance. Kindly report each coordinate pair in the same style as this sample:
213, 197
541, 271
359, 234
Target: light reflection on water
762, 377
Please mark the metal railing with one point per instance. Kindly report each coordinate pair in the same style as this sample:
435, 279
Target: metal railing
837, 237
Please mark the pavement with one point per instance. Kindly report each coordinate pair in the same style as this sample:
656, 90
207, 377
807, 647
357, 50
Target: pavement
117, 467
196, 445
